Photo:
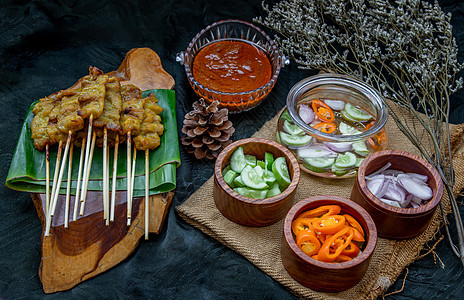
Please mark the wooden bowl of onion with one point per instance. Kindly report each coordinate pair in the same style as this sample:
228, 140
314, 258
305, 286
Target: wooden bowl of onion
255, 181
327, 243
400, 191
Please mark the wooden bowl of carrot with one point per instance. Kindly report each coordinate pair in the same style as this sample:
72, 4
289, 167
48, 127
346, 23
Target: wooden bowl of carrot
400, 190
255, 181
327, 243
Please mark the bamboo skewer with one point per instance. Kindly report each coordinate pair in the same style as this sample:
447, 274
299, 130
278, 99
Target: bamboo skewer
56, 193
132, 181
79, 174
56, 187
68, 188
55, 179
47, 178
128, 172
105, 179
115, 170
55, 174
87, 158
107, 185
85, 182
147, 184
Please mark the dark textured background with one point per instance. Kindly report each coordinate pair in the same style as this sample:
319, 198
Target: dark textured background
46, 46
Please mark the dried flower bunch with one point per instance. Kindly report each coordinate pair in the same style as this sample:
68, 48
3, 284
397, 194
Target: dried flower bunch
207, 130
404, 48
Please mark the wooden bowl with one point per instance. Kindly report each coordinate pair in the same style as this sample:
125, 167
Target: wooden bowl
393, 222
247, 211
324, 276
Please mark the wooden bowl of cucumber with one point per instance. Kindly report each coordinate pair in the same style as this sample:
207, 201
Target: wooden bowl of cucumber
255, 181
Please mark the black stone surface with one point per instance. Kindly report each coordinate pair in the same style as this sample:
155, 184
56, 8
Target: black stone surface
46, 46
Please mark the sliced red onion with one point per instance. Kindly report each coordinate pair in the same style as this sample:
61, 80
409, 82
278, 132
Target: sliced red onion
407, 200
399, 189
392, 172
339, 147
386, 166
376, 184
390, 202
423, 178
335, 104
413, 186
416, 200
396, 193
317, 150
306, 113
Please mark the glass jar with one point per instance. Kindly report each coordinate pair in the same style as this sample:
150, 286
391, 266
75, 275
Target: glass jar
331, 123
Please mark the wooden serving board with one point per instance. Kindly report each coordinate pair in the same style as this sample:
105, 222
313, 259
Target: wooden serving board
88, 247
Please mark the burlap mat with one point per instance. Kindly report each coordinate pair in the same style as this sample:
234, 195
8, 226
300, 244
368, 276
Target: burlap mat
261, 246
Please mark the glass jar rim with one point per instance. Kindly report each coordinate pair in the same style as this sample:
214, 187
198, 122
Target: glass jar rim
345, 81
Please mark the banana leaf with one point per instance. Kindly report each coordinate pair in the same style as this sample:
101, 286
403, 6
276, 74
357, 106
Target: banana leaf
28, 169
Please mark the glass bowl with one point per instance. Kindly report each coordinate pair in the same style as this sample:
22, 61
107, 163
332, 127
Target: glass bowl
359, 126
233, 30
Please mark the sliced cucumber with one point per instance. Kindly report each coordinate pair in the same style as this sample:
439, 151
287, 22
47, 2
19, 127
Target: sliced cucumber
251, 193
285, 116
319, 163
252, 179
230, 176
295, 140
347, 116
224, 171
238, 182
359, 160
269, 177
268, 160
250, 159
346, 129
280, 170
238, 160
338, 171
345, 160
360, 148
292, 128
259, 171
273, 191
261, 163
356, 113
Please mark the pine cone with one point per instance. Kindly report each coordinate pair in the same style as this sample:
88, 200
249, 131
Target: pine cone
207, 130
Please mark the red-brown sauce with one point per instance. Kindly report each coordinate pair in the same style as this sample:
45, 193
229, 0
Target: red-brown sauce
231, 66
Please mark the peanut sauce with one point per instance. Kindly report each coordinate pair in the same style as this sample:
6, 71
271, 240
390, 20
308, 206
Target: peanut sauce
231, 66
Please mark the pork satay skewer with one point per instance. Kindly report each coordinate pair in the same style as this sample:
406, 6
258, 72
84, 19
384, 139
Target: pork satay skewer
92, 99
85, 181
68, 188
131, 118
108, 122
115, 171
149, 139
79, 177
